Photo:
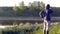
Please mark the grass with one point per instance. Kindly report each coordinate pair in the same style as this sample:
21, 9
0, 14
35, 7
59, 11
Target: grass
29, 28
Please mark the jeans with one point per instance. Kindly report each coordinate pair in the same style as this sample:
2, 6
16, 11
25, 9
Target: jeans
46, 25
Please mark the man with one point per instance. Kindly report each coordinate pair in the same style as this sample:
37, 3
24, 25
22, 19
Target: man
45, 14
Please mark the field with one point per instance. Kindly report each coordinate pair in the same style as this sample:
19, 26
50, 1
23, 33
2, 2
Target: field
29, 28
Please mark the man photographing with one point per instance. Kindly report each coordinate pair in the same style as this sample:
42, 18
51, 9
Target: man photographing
46, 15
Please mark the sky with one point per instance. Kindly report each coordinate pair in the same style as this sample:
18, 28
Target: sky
53, 3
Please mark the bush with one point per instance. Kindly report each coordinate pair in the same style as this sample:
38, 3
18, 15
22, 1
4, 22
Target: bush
31, 29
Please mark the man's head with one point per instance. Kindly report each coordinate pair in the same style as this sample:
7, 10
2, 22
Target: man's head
48, 6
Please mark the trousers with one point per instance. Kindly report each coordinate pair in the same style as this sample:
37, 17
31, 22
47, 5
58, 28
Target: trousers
46, 25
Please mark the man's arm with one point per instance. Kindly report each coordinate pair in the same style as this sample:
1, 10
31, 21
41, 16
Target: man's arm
41, 14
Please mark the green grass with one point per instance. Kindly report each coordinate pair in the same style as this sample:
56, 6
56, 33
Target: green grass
33, 28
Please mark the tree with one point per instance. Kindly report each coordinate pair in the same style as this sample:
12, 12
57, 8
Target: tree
36, 4
21, 6
15, 8
42, 5
30, 6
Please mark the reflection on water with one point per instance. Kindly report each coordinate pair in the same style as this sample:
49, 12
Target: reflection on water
4, 26
1, 26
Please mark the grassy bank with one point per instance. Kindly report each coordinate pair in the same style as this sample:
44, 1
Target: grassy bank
29, 28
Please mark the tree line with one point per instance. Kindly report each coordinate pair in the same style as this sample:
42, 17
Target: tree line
35, 5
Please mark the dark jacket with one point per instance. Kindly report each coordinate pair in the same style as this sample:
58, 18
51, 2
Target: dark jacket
47, 15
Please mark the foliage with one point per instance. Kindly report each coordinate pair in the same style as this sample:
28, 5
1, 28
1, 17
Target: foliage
29, 28
15, 8
42, 6
21, 6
